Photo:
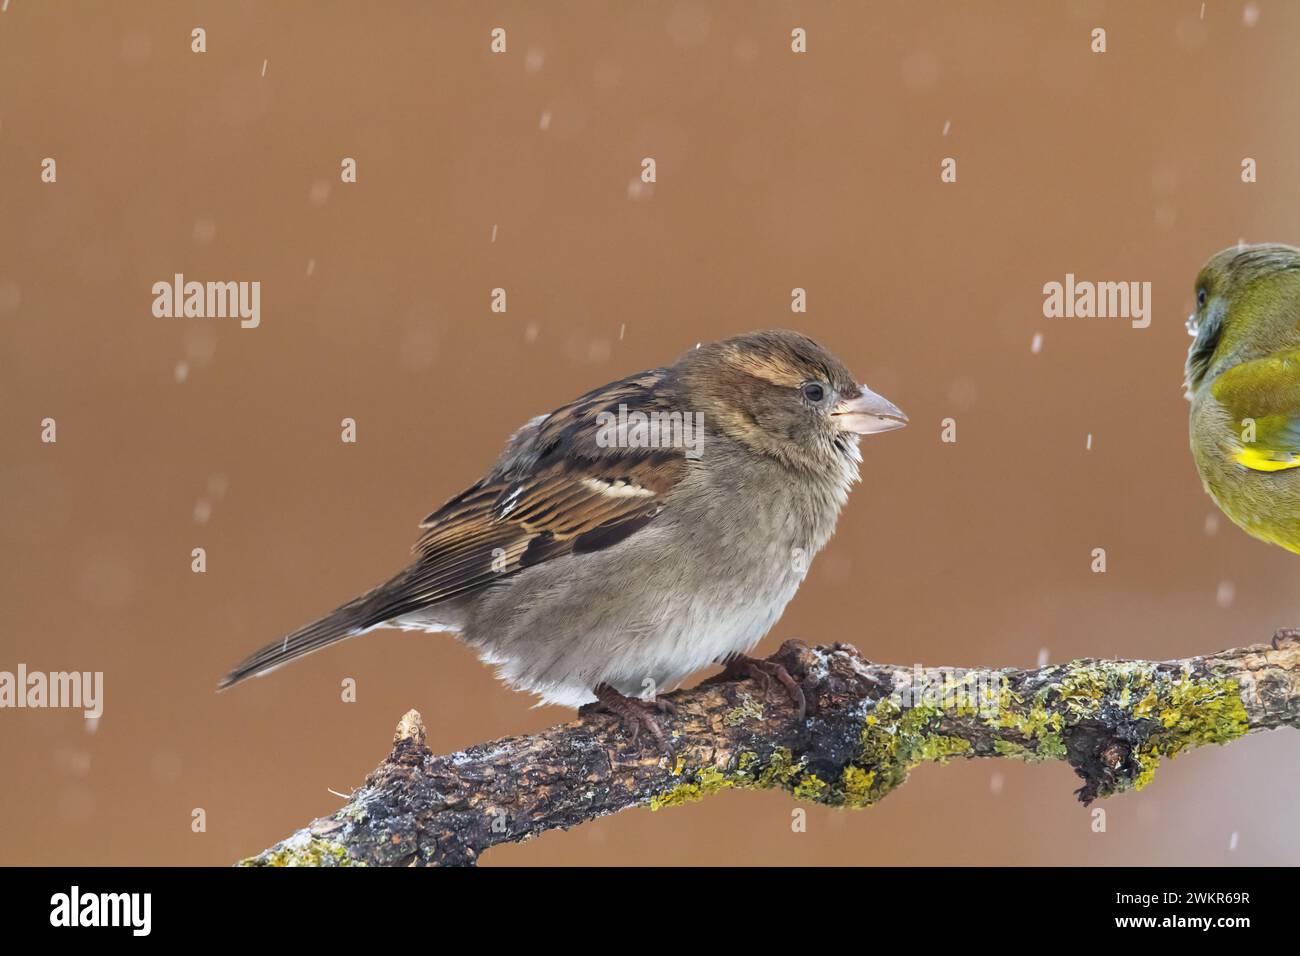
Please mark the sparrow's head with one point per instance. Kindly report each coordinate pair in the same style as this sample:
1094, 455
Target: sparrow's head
783, 395
1247, 306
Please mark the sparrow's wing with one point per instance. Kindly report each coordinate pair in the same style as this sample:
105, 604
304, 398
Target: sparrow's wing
1263, 398
566, 483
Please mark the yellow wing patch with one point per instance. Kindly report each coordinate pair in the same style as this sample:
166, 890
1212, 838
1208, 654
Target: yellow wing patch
1259, 460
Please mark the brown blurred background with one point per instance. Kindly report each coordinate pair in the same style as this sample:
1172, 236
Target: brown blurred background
775, 170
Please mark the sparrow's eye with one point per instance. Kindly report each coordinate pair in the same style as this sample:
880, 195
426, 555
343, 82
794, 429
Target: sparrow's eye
814, 391
1201, 296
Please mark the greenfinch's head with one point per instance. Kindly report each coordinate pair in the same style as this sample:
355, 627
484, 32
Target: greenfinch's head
1247, 306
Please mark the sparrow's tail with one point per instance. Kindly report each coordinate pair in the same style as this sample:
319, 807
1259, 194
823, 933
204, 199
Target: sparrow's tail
354, 618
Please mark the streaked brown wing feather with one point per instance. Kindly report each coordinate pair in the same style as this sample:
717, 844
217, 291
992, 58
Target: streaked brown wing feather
561, 493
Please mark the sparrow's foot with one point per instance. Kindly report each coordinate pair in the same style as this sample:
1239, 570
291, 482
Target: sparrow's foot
596, 707
742, 666
636, 713
1285, 635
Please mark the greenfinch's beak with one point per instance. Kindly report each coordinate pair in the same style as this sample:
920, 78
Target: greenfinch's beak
867, 413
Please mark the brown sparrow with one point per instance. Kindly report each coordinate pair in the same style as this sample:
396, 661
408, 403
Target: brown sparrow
650, 528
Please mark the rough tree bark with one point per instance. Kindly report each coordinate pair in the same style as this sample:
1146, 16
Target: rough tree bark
868, 725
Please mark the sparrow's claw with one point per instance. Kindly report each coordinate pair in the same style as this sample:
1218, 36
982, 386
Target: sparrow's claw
1285, 635
741, 666
637, 713
665, 706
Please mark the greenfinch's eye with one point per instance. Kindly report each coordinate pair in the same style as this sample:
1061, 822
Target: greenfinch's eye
814, 391
1201, 296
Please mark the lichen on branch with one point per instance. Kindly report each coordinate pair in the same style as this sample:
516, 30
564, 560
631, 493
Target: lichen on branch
867, 727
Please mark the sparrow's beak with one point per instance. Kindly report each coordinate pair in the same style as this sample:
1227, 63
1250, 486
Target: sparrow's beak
867, 413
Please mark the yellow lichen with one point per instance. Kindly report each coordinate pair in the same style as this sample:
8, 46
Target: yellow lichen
706, 781
1179, 710
303, 850
748, 709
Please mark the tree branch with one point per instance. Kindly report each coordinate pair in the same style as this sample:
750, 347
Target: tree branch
868, 725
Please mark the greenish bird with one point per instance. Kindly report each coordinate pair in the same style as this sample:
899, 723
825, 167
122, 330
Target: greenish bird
1243, 380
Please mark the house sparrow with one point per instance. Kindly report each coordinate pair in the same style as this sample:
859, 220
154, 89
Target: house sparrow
1243, 380
645, 530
